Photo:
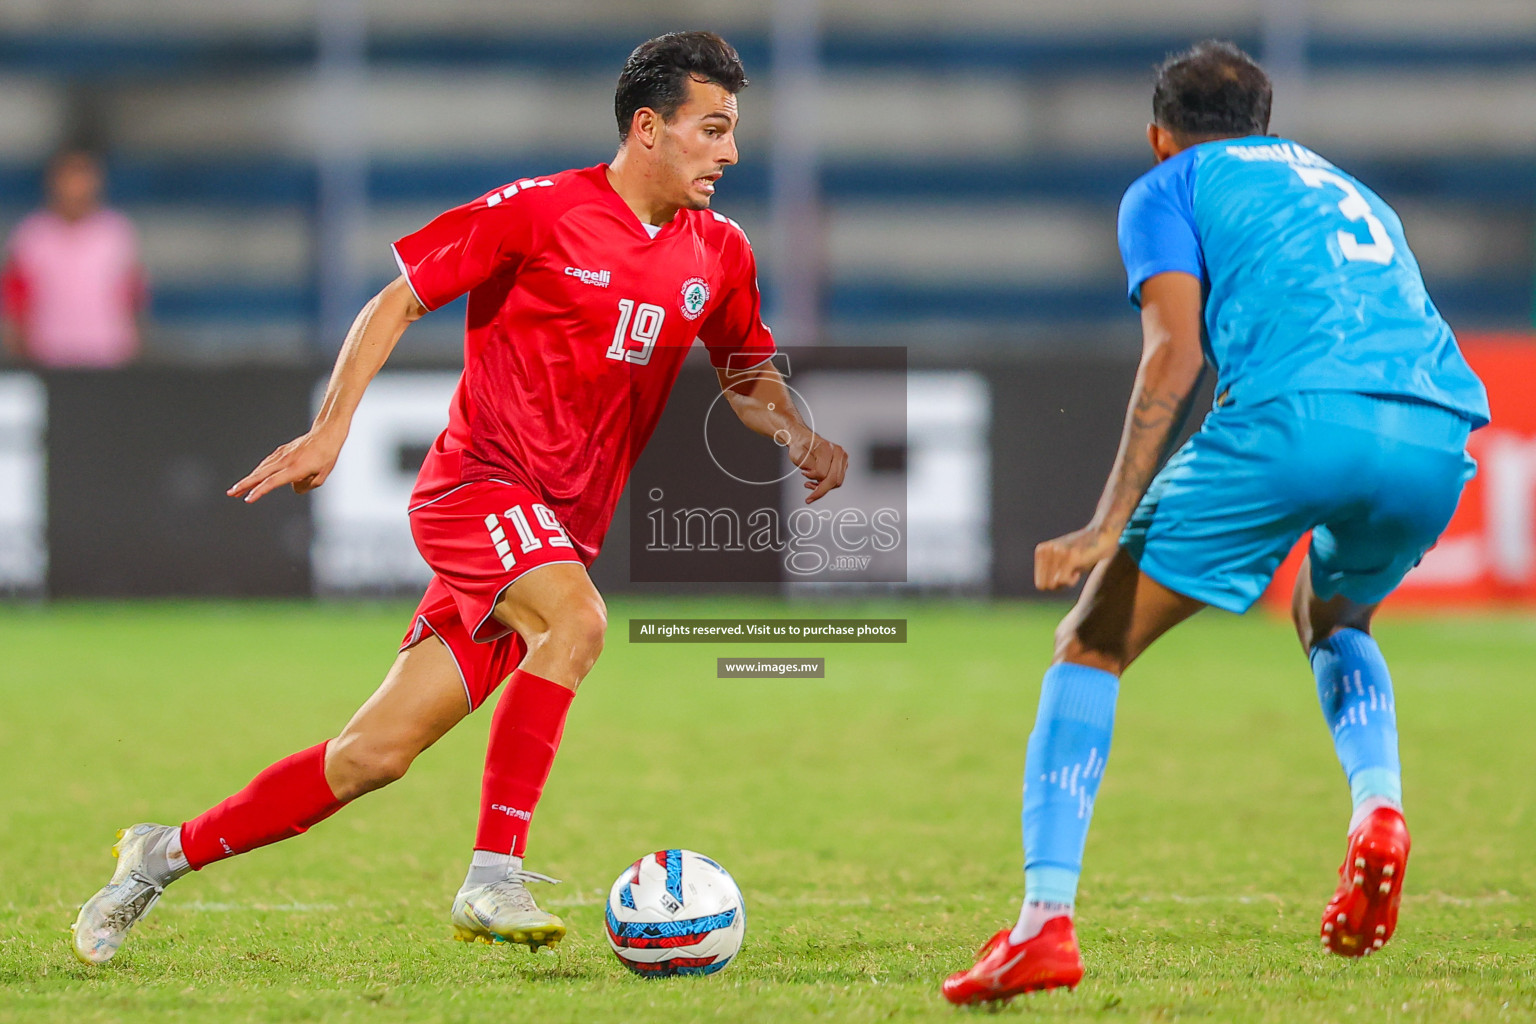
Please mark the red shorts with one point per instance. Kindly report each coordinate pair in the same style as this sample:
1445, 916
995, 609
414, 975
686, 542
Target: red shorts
478, 538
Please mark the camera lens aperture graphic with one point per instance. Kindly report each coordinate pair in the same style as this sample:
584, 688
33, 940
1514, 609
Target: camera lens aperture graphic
719, 417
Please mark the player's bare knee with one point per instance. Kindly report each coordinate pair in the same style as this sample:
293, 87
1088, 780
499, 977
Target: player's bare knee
355, 765
1303, 625
1325, 626
1066, 637
1102, 660
1317, 619
582, 630
1301, 607
573, 638
1072, 647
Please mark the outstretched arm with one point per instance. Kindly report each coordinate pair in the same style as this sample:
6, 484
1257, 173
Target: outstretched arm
306, 461
763, 403
1171, 365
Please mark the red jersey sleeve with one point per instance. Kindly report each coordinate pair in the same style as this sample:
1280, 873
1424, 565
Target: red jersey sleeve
735, 333
470, 244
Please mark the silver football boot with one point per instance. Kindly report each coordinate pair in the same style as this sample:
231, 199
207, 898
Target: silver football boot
504, 911
143, 872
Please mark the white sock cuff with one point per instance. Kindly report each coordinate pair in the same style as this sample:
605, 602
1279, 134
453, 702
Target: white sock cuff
492, 859
1370, 804
1032, 918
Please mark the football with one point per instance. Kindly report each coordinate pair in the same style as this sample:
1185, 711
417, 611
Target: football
675, 912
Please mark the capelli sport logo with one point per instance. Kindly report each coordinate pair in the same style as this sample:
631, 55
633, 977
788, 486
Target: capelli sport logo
600, 278
695, 297
513, 812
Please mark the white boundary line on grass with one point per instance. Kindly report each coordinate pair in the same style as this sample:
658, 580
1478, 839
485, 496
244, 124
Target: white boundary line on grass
201, 906
597, 897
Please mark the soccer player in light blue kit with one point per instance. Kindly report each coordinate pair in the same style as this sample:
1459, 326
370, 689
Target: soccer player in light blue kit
1343, 407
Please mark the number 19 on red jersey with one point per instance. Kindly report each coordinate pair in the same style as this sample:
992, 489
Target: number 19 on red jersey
638, 325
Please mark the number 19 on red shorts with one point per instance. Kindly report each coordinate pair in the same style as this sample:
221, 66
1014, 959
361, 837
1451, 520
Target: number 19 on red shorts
529, 542
480, 537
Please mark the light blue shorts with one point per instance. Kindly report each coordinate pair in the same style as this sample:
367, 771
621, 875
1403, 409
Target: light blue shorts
1374, 478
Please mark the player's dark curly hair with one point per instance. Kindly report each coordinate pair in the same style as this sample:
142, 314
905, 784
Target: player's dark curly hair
656, 74
1212, 90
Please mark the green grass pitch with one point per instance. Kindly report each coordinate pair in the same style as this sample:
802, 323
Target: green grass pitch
871, 819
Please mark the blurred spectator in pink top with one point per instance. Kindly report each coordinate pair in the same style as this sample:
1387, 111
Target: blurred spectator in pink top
73, 287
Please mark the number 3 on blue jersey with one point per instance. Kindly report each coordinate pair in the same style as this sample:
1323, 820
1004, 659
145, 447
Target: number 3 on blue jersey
1354, 207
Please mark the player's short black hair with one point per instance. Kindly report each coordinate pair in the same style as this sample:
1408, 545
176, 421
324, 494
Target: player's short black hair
656, 75
1212, 90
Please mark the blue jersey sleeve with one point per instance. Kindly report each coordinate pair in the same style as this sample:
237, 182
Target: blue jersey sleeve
1157, 224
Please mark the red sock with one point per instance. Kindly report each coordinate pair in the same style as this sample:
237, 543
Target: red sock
525, 733
282, 802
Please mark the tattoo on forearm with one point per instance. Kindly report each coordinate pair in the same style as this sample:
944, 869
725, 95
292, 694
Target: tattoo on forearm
1150, 428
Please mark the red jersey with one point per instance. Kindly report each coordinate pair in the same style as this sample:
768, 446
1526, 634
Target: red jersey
578, 324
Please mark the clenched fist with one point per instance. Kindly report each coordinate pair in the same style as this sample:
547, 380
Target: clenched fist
1062, 561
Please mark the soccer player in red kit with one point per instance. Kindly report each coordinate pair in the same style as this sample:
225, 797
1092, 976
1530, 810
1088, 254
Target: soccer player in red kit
586, 290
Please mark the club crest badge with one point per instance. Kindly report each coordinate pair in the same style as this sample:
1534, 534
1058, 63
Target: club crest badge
695, 297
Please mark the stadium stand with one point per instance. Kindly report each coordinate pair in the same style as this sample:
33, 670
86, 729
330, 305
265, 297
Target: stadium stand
972, 154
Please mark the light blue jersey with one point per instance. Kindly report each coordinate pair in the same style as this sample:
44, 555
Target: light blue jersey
1309, 281
1343, 402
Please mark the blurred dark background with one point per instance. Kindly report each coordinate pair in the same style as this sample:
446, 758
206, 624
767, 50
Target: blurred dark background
939, 177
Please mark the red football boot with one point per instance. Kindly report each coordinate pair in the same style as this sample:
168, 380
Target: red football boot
1363, 912
1004, 970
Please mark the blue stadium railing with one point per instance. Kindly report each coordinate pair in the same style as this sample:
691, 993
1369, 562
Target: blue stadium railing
259, 182
100, 54
1468, 302
1489, 180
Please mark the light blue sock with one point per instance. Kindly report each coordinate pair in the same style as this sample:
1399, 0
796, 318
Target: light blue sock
1355, 690
1062, 769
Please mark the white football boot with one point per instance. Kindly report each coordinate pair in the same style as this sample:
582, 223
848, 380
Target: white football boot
143, 872
504, 911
